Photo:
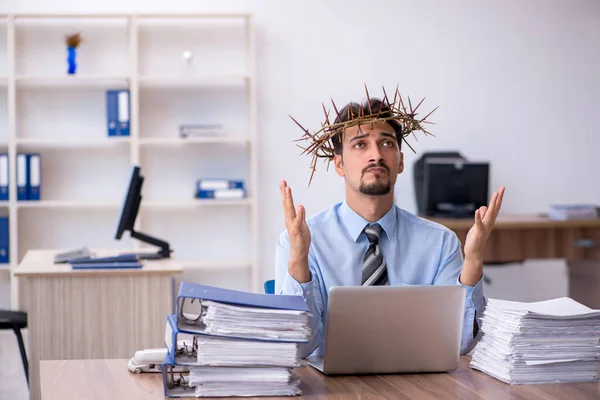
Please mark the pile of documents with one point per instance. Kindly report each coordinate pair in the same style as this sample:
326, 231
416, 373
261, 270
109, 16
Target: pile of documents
552, 341
562, 212
218, 381
232, 343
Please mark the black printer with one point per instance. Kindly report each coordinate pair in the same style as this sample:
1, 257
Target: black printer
448, 185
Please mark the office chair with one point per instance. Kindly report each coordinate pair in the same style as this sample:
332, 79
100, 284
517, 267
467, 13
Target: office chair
16, 320
270, 286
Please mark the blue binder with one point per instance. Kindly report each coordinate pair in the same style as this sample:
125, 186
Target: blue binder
192, 291
182, 345
33, 176
179, 353
218, 184
123, 113
117, 112
112, 112
22, 177
4, 176
226, 194
4, 240
175, 379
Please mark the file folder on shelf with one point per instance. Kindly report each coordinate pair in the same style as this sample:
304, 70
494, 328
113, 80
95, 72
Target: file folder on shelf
226, 194
22, 176
4, 240
194, 299
34, 178
117, 112
3, 176
219, 184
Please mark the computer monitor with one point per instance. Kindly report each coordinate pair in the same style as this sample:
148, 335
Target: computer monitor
454, 188
128, 215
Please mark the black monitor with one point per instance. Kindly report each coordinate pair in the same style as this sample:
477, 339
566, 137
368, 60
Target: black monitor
128, 214
454, 188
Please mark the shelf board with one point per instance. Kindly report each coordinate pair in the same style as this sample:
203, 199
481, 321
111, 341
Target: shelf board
75, 204
194, 82
161, 205
5, 267
75, 143
3, 81
74, 81
175, 205
192, 140
125, 15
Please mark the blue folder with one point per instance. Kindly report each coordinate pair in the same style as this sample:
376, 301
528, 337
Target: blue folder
192, 291
179, 354
4, 241
175, 380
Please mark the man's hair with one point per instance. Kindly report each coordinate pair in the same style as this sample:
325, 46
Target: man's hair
354, 110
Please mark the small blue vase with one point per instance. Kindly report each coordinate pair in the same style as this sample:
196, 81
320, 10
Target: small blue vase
71, 59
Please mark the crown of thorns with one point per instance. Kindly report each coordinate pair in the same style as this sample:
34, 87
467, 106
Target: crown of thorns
320, 144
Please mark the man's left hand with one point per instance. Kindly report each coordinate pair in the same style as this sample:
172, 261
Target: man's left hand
485, 218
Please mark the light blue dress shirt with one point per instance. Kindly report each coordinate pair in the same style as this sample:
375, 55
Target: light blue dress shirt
417, 252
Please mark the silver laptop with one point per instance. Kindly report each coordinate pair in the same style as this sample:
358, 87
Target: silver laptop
392, 329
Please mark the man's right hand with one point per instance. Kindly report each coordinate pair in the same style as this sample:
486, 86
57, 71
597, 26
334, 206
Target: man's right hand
295, 223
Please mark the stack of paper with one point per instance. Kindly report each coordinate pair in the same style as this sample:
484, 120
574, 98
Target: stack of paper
551, 341
234, 343
573, 211
223, 351
253, 322
220, 381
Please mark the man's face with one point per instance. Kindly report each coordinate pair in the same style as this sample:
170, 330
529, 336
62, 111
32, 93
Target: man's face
371, 159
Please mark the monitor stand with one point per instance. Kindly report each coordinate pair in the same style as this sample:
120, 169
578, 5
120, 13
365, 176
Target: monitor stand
163, 252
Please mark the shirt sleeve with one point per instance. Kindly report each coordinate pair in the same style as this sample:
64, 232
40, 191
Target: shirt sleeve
449, 273
311, 291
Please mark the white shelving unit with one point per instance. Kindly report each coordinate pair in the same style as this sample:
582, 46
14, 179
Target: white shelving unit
84, 172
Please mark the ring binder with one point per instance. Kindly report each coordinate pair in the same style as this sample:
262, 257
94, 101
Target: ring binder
173, 382
184, 349
210, 299
186, 320
176, 379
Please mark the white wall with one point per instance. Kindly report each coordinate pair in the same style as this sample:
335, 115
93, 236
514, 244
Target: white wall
518, 83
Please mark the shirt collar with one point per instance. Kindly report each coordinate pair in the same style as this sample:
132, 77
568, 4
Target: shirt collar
355, 224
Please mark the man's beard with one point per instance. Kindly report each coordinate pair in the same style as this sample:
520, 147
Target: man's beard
375, 188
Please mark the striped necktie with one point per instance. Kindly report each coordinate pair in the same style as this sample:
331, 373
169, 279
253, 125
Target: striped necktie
374, 270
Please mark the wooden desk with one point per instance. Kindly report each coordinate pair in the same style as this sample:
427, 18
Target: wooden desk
516, 238
83, 314
110, 379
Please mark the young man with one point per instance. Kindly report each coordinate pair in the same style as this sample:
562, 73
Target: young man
367, 240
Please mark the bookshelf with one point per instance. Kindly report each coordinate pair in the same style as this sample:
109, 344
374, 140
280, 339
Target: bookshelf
84, 172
